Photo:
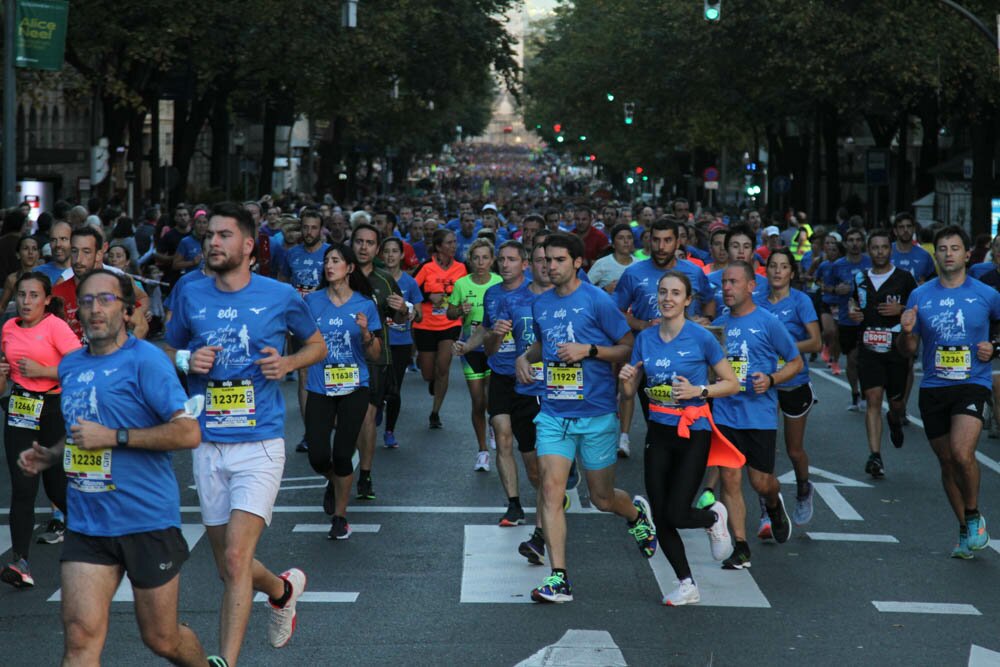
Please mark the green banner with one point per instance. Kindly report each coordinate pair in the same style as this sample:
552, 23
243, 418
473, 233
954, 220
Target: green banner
41, 33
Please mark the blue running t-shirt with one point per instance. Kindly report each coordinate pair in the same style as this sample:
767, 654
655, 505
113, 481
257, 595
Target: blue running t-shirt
519, 311
241, 405
587, 315
917, 261
689, 355
846, 271
303, 269
636, 288
950, 323
795, 311
494, 304
401, 334
345, 367
754, 344
121, 490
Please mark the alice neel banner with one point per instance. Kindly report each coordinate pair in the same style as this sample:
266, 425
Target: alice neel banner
41, 33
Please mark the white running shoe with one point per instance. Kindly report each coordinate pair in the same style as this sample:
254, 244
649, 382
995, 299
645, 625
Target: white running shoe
283, 619
624, 446
685, 593
482, 462
718, 533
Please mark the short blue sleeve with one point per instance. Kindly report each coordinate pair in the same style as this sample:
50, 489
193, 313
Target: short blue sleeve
783, 342
178, 333
623, 291
297, 316
161, 390
612, 320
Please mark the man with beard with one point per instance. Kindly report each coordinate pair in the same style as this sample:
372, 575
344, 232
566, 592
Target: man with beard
229, 335
59, 242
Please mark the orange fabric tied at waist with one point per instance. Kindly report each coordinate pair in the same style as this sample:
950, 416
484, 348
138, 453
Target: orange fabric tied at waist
721, 452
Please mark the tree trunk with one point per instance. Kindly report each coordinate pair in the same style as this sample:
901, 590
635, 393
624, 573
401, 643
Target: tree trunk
931, 126
984, 187
831, 132
267, 152
219, 173
903, 166
189, 119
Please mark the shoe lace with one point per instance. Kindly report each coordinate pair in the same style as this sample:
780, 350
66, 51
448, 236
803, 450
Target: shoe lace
554, 580
641, 531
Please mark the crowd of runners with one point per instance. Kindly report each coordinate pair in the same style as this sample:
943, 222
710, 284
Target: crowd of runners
562, 311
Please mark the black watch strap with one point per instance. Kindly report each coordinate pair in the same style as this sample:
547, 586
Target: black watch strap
593, 351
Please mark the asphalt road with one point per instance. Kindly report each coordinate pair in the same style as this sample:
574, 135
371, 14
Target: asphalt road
428, 578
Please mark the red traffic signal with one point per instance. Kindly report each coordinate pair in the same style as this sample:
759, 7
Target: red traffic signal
557, 128
593, 158
638, 170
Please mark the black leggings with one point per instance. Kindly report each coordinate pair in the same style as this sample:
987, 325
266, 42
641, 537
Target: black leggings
674, 467
393, 402
322, 413
24, 489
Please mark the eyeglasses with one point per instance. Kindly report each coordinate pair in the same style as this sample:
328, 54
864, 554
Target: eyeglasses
105, 298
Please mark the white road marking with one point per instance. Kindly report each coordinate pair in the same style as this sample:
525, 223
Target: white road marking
192, 533
325, 528
579, 647
836, 502
988, 462
718, 587
983, 657
852, 537
492, 570
926, 608
316, 596
839, 480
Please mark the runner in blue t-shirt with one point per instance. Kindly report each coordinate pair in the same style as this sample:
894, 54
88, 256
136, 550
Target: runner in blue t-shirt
337, 387
510, 413
124, 411
400, 334
795, 310
232, 332
302, 267
677, 355
755, 342
908, 255
580, 334
740, 248
833, 250
843, 276
517, 311
952, 317
635, 295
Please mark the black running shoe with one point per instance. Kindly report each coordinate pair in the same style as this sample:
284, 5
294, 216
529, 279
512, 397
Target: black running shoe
339, 529
534, 548
740, 560
434, 420
875, 467
895, 432
329, 498
781, 525
303, 446
514, 516
365, 490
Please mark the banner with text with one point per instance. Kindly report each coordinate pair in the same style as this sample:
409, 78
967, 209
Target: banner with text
41, 33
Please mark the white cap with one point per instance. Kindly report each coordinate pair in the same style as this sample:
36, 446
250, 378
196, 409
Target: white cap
490, 207
771, 231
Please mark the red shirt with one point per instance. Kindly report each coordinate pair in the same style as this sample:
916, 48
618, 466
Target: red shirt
432, 279
66, 290
410, 259
594, 245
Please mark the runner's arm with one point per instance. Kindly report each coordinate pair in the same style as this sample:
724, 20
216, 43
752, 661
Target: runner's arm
815, 341
181, 432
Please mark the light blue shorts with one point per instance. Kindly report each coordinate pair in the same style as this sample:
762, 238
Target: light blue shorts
595, 439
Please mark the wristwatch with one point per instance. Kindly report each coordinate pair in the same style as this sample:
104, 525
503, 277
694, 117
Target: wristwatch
593, 351
704, 391
121, 437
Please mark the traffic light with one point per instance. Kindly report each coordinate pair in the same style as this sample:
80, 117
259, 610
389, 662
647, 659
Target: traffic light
557, 128
638, 170
629, 180
713, 10
583, 137
645, 178
593, 158
560, 138
611, 97
629, 112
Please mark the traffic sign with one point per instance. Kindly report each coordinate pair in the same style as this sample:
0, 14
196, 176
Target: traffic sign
710, 174
711, 185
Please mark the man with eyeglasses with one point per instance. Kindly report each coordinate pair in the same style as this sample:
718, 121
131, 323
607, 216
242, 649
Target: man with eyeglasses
125, 411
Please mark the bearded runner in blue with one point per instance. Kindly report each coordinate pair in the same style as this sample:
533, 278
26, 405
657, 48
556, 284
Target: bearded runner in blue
231, 330
580, 334
952, 316
754, 341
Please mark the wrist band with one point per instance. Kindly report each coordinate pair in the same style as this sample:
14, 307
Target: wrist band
183, 361
770, 378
